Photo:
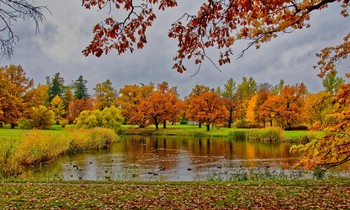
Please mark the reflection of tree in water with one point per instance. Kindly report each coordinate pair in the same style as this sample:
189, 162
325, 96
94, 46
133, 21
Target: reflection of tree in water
174, 158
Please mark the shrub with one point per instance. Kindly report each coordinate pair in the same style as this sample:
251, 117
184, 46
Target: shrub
108, 118
64, 122
24, 124
42, 118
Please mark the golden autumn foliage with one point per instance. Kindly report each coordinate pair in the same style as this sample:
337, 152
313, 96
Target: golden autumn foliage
130, 96
333, 148
16, 94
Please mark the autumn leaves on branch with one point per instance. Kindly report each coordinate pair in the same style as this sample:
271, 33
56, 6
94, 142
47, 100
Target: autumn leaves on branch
217, 24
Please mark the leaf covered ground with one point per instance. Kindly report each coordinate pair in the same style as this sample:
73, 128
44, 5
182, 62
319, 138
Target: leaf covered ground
201, 195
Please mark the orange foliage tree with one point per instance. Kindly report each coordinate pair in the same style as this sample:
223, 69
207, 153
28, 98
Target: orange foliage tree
162, 106
217, 24
77, 106
16, 94
129, 98
292, 99
207, 108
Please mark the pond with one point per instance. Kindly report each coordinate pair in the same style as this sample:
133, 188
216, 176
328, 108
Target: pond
170, 158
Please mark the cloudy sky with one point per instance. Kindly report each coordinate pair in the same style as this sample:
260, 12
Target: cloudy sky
68, 30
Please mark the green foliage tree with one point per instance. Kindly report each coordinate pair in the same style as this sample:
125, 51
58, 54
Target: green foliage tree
80, 89
331, 82
111, 117
229, 99
56, 87
105, 94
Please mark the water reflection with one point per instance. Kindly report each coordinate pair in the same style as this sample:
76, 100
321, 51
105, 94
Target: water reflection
147, 158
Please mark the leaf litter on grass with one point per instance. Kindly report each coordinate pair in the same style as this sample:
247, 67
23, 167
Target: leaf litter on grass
199, 195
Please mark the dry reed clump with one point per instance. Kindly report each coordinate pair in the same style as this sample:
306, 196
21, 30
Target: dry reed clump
92, 139
266, 134
9, 165
37, 147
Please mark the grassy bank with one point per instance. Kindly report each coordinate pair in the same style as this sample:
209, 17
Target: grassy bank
330, 194
26, 148
193, 130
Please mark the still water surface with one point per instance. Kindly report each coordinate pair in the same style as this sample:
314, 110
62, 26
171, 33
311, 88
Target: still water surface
154, 158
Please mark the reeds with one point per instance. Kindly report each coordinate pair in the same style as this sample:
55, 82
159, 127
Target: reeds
265, 134
38, 147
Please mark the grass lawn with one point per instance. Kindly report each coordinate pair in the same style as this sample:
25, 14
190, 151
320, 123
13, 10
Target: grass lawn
193, 130
174, 130
330, 194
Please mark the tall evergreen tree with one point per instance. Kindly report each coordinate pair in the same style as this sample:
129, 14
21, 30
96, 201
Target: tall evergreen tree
80, 89
56, 87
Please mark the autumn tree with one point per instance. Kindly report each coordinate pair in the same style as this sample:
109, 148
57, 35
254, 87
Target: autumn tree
130, 96
207, 108
41, 117
263, 94
268, 111
245, 90
217, 24
56, 86
80, 89
250, 115
161, 106
292, 99
16, 93
58, 108
198, 90
41, 96
77, 106
333, 148
317, 107
105, 94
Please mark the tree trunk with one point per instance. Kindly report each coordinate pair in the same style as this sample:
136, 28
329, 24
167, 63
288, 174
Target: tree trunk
230, 119
13, 125
208, 127
271, 123
164, 124
200, 125
156, 123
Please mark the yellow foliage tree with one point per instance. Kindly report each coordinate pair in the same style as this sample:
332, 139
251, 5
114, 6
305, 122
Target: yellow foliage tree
58, 108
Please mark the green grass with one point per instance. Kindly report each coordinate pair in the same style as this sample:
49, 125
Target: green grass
171, 130
193, 130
